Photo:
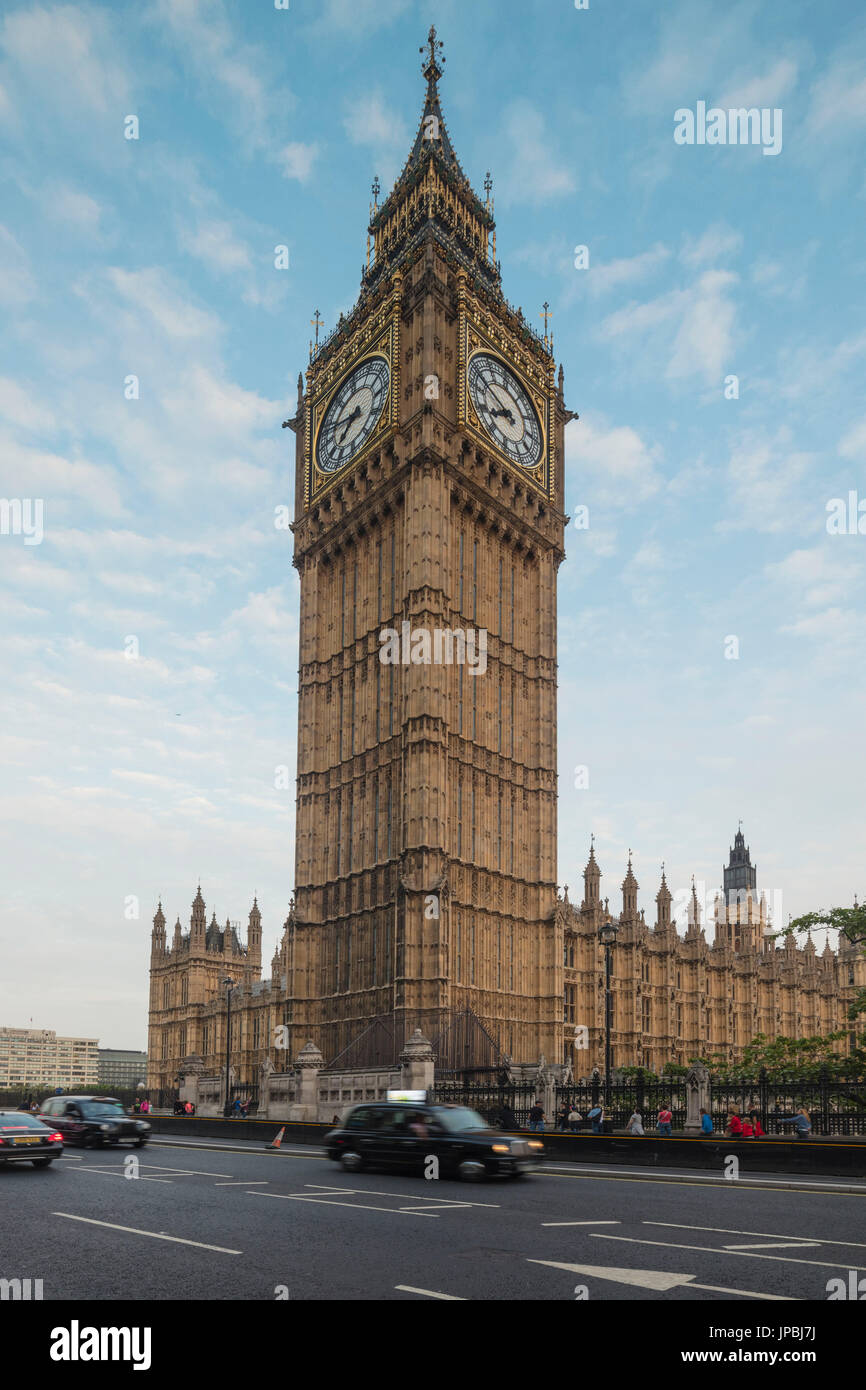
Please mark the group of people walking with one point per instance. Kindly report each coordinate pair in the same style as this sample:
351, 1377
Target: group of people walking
739, 1126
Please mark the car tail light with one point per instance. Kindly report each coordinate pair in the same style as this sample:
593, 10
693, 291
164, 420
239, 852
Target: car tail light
56, 1137
534, 1144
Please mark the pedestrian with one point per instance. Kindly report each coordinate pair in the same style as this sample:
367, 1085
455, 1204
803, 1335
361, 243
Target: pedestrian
237, 1106
706, 1122
136, 1106
757, 1128
536, 1118
574, 1119
187, 1109
735, 1125
562, 1117
596, 1114
802, 1122
34, 1108
507, 1117
748, 1131
635, 1123
665, 1121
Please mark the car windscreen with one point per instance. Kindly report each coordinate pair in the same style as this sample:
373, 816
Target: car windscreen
100, 1110
10, 1123
459, 1119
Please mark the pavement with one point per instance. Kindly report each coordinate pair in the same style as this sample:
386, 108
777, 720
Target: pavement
203, 1219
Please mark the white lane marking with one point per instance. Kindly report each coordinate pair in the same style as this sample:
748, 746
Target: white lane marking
154, 1235
112, 1173
72, 1158
655, 1279
261, 1182
725, 1231
433, 1206
410, 1196
353, 1206
428, 1293
716, 1250
685, 1175
190, 1172
779, 1245
581, 1223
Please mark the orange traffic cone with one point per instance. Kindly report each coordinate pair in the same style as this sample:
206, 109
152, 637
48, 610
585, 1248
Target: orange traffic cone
275, 1143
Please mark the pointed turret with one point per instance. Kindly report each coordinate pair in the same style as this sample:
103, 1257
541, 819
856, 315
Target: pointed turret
254, 934
197, 923
177, 937
157, 936
663, 905
694, 913
630, 886
591, 879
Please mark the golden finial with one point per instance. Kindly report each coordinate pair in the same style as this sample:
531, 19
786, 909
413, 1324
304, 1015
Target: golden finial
547, 316
434, 48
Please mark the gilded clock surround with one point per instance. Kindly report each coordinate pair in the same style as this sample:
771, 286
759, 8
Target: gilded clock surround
379, 337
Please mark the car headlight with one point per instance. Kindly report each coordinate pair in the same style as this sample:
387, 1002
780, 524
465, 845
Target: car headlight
142, 1124
106, 1129
534, 1144
501, 1148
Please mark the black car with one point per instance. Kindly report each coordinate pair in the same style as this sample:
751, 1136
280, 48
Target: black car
25, 1138
398, 1135
94, 1121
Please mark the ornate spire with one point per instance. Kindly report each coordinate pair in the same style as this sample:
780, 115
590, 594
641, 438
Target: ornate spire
433, 196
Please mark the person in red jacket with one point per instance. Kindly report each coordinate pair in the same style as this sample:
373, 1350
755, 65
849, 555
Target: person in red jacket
747, 1130
757, 1128
735, 1125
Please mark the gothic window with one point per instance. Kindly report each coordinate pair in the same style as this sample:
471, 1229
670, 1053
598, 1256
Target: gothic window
339, 830
390, 813
460, 700
472, 953
343, 609
499, 628
458, 946
569, 1003
376, 823
184, 990
460, 563
474, 589
378, 592
166, 994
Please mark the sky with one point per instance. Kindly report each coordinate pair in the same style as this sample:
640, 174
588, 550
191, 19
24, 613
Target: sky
711, 627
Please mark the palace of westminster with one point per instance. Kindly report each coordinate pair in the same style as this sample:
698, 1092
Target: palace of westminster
429, 496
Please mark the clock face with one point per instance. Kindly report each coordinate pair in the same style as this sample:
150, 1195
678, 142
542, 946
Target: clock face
353, 414
505, 410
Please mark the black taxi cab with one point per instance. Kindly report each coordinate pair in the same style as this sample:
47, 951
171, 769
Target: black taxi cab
94, 1121
400, 1134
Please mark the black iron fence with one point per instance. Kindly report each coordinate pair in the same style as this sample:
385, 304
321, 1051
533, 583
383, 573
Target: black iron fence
645, 1096
246, 1097
836, 1104
497, 1101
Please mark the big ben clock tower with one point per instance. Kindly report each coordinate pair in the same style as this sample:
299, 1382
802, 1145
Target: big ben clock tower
428, 532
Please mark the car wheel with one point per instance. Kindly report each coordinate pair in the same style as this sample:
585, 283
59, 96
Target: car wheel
41, 1162
470, 1170
140, 1143
351, 1162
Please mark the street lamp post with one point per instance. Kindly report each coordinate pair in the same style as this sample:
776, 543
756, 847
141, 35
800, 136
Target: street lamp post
607, 936
229, 984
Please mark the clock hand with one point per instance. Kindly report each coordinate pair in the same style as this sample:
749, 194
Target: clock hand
354, 415
507, 413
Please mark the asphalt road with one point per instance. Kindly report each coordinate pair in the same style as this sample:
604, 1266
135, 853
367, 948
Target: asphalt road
205, 1222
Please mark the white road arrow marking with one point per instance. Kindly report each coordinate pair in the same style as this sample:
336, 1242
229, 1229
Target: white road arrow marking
657, 1279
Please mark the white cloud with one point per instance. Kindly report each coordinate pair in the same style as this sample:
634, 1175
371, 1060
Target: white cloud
153, 291
838, 99
613, 465
296, 160
704, 316
534, 175
369, 121
852, 445
215, 243
607, 276
17, 285
717, 242
65, 55
766, 90
18, 406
